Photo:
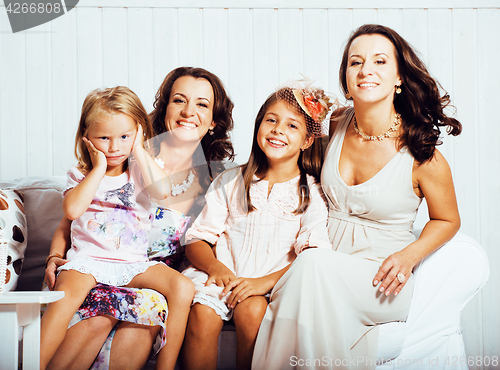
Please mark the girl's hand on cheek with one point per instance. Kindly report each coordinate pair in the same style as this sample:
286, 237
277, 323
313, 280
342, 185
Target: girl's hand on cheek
139, 138
243, 288
97, 157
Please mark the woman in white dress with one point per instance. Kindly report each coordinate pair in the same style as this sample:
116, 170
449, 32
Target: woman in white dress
380, 162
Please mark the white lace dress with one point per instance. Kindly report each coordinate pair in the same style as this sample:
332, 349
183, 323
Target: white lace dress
258, 243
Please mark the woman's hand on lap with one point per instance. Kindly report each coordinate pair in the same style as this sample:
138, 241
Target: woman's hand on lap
398, 263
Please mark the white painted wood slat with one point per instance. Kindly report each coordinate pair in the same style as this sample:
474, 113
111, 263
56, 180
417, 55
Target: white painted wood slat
65, 103
89, 53
13, 112
488, 159
140, 55
115, 46
165, 43
241, 80
39, 101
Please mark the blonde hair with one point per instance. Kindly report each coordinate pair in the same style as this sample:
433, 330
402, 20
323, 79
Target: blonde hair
101, 103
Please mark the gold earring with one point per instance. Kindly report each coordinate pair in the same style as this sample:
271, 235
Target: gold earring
398, 89
348, 96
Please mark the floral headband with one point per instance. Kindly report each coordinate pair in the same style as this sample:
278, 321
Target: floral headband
314, 102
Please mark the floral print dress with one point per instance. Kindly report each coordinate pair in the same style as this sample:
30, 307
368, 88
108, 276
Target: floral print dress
140, 306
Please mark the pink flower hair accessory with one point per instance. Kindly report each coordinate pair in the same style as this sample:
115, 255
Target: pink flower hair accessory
312, 101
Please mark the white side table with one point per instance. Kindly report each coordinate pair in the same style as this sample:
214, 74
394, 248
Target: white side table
22, 309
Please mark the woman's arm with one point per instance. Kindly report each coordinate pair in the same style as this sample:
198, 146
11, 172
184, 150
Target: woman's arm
436, 184
61, 242
246, 287
201, 256
156, 181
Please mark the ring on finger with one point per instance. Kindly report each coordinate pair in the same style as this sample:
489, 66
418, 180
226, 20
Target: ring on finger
401, 278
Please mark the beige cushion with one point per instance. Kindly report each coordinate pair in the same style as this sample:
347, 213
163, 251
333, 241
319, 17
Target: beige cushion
43, 209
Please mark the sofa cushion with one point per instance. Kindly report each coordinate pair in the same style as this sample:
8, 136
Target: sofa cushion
43, 209
13, 237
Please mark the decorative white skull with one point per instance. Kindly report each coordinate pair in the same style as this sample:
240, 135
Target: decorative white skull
13, 234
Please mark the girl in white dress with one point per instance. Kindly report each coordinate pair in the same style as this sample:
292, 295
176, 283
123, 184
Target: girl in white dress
106, 199
258, 217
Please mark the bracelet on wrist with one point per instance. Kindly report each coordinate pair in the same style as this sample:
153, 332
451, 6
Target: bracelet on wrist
51, 256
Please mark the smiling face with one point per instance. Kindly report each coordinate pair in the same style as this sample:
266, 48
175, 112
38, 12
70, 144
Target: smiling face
190, 109
372, 70
282, 134
114, 135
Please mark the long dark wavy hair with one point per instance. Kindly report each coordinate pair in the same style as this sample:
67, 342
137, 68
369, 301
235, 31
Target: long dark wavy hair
420, 102
310, 160
216, 147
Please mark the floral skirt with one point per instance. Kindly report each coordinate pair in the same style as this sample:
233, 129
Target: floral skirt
140, 306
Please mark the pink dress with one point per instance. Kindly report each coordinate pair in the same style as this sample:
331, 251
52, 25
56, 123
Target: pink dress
110, 240
258, 243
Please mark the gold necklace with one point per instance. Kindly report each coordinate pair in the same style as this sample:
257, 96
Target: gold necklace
397, 121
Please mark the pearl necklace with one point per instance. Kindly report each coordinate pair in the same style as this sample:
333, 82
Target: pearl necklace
183, 186
397, 121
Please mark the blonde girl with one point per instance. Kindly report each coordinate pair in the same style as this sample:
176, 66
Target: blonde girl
258, 217
107, 197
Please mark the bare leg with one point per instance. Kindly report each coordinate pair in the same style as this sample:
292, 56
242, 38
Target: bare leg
132, 345
202, 339
56, 318
82, 343
179, 292
247, 318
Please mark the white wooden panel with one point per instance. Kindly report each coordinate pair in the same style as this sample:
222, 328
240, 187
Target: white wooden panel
65, 103
339, 30
140, 36
215, 44
364, 16
39, 101
392, 18
90, 56
292, 54
465, 93
415, 30
241, 81
316, 46
115, 45
488, 96
439, 64
13, 130
166, 43
266, 55
191, 37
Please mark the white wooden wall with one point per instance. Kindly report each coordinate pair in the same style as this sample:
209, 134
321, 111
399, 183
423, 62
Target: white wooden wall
254, 46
